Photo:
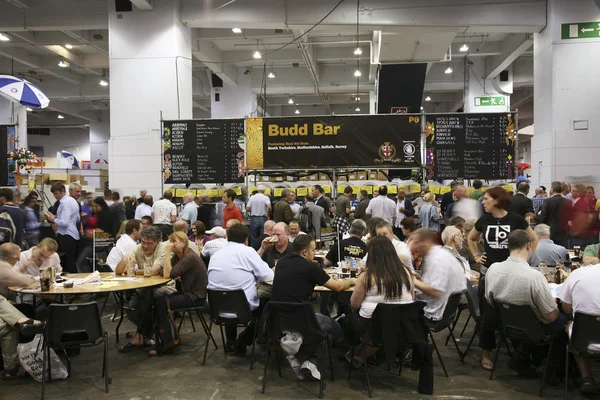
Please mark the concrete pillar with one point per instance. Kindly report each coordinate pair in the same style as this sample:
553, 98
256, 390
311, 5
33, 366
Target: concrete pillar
99, 137
12, 113
150, 73
566, 143
372, 102
234, 101
481, 92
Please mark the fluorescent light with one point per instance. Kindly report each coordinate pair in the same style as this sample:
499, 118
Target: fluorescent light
357, 109
60, 116
290, 101
103, 83
257, 55
357, 73
63, 64
297, 111
236, 30
69, 46
4, 38
29, 109
464, 48
357, 51
427, 98
271, 75
448, 70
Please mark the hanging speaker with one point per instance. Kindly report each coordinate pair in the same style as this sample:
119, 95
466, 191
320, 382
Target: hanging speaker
216, 81
123, 5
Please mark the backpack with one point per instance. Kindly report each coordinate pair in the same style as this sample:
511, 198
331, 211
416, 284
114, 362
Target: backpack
305, 220
8, 231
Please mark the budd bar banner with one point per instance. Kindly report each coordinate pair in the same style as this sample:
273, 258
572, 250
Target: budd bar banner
345, 141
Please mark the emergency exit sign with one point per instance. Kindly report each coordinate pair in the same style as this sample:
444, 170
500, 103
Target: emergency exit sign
490, 101
580, 30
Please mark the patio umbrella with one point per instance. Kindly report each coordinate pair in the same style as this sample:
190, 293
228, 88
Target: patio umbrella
22, 91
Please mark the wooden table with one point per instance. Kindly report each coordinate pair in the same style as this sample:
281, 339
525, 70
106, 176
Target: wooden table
320, 288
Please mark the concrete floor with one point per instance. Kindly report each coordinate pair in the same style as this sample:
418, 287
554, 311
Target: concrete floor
136, 376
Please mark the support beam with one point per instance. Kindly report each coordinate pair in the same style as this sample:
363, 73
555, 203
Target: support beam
512, 48
309, 60
80, 36
20, 3
144, 5
73, 110
208, 53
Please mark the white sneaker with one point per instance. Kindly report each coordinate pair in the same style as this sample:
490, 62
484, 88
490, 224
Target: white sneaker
295, 364
310, 371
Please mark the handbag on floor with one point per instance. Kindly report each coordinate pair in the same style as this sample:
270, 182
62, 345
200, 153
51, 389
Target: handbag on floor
167, 337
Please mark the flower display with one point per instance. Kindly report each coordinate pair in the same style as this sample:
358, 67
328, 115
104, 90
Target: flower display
22, 157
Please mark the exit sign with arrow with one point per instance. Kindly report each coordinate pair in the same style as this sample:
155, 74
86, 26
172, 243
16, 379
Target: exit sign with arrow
580, 30
490, 101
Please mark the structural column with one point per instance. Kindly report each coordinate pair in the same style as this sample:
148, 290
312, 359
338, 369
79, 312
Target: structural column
566, 142
99, 137
150, 74
12, 113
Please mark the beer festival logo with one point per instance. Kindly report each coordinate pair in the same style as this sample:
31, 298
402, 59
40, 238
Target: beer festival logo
387, 152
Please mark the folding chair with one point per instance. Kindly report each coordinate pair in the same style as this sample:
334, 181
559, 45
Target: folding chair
586, 330
197, 310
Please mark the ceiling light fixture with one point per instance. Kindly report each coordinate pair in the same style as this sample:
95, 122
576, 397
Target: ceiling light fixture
464, 48
427, 98
290, 101
448, 70
4, 37
357, 51
271, 75
357, 73
63, 64
257, 55
421, 108
236, 30
297, 111
68, 46
60, 116
357, 109
29, 109
357, 98
103, 83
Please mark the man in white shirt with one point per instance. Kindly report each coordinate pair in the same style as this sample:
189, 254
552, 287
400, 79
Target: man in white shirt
144, 209
580, 293
404, 208
453, 241
258, 207
442, 275
67, 220
41, 256
164, 213
385, 229
293, 205
382, 206
190, 209
125, 244
217, 241
238, 267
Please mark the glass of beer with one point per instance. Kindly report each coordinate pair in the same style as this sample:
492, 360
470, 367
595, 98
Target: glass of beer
577, 250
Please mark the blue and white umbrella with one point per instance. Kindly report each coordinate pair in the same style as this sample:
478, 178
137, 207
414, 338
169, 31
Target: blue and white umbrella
22, 91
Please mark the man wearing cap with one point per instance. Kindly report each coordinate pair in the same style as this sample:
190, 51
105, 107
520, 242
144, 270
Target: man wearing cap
258, 207
217, 241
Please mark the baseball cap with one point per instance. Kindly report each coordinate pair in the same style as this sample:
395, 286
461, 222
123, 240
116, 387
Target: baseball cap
217, 231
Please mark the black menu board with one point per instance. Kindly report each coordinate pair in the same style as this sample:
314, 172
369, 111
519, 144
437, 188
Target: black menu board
470, 146
203, 151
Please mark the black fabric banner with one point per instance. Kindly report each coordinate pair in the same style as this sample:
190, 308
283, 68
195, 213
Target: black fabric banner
325, 142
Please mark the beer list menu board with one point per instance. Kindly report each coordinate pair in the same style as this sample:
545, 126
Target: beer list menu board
204, 151
470, 146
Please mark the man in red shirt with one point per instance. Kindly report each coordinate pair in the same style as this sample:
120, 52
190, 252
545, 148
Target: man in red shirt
230, 211
584, 227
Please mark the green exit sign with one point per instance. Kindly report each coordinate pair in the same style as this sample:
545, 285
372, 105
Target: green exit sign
580, 30
490, 101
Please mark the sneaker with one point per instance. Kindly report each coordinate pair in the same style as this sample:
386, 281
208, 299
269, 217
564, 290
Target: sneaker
149, 341
310, 371
230, 346
295, 364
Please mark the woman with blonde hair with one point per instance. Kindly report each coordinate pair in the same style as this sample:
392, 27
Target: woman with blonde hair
429, 216
190, 271
122, 229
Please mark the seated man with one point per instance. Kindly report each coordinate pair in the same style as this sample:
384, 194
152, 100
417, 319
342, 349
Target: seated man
591, 254
271, 251
384, 228
151, 251
580, 293
546, 251
182, 226
294, 230
238, 267
515, 282
146, 221
442, 275
41, 256
217, 241
453, 241
295, 279
125, 244
267, 231
9, 255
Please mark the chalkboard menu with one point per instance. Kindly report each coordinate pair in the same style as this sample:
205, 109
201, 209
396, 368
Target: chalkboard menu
204, 151
470, 146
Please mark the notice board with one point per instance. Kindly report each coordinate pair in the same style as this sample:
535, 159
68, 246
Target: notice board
470, 146
334, 141
203, 151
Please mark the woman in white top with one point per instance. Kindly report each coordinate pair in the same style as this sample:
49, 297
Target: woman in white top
384, 280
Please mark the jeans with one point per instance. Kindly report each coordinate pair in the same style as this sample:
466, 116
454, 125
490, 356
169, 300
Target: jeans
141, 310
256, 227
329, 298
329, 326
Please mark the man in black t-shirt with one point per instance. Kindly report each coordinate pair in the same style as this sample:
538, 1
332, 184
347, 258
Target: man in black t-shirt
352, 247
295, 279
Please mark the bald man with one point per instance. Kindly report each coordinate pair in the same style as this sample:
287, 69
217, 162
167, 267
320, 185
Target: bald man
272, 251
267, 231
190, 209
182, 226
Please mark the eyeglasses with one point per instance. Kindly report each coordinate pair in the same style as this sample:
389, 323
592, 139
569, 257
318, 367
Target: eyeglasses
147, 243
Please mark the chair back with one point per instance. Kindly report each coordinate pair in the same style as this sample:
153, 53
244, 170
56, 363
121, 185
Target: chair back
473, 301
281, 316
74, 324
232, 302
450, 311
586, 331
520, 322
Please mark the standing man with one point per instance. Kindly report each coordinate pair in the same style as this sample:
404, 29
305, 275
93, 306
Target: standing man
382, 206
321, 200
231, 211
190, 209
360, 212
551, 212
584, 228
311, 217
118, 207
144, 209
282, 212
343, 205
477, 193
448, 198
521, 204
293, 205
404, 208
164, 213
66, 220
87, 207
258, 207
207, 212
16, 214
538, 200
143, 194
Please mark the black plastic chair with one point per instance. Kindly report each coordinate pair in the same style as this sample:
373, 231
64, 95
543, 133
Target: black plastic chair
586, 331
198, 310
230, 302
474, 312
461, 308
73, 326
521, 323
447, 322
280, 316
